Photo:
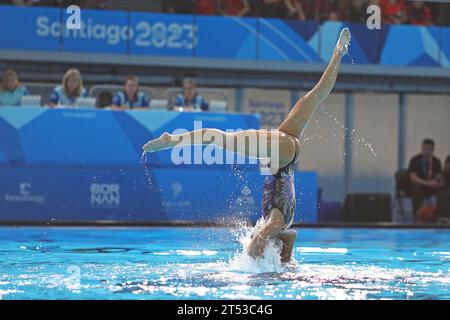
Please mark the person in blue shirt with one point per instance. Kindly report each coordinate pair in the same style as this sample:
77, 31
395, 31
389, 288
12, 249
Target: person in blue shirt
190, 100
69, 91
11, 91
130, 97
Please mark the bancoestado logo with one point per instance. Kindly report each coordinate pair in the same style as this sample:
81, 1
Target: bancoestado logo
105, 195
157, 34
25, 195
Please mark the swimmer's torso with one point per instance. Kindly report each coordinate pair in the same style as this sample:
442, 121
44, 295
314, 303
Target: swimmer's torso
279, 192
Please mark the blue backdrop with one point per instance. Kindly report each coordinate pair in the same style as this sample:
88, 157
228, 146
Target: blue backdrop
220, 37
81, 165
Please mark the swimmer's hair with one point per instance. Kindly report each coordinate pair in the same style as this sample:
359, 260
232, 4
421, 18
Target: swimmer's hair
9, 73
428, 141
189, 81
73, 72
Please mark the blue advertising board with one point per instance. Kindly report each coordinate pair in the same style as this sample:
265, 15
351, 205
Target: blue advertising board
171, 35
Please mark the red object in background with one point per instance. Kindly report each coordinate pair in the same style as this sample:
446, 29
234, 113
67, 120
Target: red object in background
206, 7
428, 214
419, 16
232, 7
392, 9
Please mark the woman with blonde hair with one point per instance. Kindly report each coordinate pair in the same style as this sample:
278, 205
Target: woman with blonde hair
69, 90
11, 91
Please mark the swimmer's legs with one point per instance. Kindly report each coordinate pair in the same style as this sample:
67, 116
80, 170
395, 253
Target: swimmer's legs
302, 112
271, 230
288, 239
258, 144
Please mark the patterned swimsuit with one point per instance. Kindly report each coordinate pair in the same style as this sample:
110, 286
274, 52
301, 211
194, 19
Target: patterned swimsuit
279, 192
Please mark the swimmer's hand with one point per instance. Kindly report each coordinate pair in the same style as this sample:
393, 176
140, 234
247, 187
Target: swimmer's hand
163, 142
344, 41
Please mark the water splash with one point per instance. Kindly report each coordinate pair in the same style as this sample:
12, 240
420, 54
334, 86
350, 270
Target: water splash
355, 138
351, 58
145, 163
242, 262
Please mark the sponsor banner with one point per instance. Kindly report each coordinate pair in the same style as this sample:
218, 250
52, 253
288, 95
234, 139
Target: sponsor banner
136, 194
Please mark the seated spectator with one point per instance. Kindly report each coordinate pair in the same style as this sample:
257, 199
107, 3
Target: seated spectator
424, 170
206, 7
419, 13
11, 91
68, 91
237, 8
393, 11
190, 100
130, 97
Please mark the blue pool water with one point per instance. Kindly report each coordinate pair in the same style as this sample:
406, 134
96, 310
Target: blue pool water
208, 263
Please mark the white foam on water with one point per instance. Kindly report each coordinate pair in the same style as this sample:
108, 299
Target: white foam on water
321, 250
270, 260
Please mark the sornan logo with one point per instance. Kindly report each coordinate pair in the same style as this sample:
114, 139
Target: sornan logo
105, 195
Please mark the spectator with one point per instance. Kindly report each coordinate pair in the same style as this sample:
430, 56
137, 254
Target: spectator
424, 170
11, 91
190, 100
206, 7
233, 7
130, 97
68, 91
419, 14
393, 11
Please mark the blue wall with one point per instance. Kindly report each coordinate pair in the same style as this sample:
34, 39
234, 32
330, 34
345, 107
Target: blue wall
220, 37
82, 165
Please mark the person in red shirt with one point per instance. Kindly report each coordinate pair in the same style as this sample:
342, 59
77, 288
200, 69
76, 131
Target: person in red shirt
206, 7
419, 13
393, 11
233, 7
